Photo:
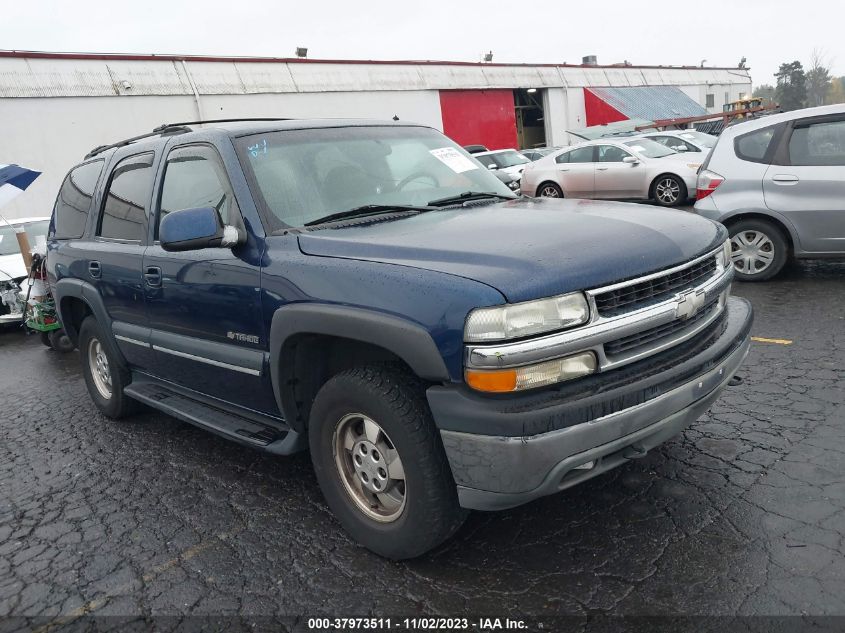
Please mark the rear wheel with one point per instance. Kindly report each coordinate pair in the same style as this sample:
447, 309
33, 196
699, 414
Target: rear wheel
549, 190
669, 191
758, 250
104, 375
380, 462
45, 339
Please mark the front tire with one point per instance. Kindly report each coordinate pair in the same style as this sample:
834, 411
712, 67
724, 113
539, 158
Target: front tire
669, 191
380, 463
549, 190
105, 377
758, 250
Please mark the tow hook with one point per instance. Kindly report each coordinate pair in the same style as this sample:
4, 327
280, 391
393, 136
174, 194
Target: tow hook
634, 451
735, 381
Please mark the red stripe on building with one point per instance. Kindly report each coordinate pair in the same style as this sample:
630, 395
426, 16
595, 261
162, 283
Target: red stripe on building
598, 111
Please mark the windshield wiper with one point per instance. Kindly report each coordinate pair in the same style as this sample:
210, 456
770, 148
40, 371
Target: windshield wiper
466, 196
366, 210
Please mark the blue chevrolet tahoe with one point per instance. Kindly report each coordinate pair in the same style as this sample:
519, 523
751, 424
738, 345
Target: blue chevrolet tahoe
368, 291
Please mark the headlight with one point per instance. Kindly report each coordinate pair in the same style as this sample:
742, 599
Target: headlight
531, 376
724, 257
517, 320
513, 185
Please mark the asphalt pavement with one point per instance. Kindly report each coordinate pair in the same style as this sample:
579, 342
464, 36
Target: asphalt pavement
742, 514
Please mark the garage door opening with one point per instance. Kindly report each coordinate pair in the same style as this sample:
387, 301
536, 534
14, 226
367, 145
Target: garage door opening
530, 118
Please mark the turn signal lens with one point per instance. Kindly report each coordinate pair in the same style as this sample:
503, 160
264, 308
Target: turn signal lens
532, 376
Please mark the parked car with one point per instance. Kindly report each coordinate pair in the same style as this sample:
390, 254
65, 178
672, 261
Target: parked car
778, 184
12, 267
512, 182
369, 291
685, 141
624, 169
508, 160
536, 153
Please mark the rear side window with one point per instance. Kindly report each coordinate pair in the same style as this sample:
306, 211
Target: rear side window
754, 146
74, 201
580, 155
821, 144
195, 177
125, 207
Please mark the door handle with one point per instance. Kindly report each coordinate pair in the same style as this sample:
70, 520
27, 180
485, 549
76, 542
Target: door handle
601, 168
94, 269
564, 169
785, 179
152, 275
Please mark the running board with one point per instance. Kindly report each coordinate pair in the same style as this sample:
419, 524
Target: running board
269, 438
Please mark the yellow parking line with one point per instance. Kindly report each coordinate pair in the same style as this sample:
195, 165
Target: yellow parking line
93, 605
776, 341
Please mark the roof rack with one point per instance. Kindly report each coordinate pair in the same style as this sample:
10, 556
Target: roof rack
172, 128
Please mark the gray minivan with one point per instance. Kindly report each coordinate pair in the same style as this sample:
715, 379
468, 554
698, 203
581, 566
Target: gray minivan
778, 184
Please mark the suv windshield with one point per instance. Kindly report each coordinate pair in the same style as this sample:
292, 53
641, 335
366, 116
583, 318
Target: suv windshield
649, 148
300, 176
699, 138
35, 231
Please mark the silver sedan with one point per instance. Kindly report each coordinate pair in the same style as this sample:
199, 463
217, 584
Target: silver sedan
632, 168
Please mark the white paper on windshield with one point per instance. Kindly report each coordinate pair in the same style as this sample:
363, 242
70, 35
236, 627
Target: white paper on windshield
453, 159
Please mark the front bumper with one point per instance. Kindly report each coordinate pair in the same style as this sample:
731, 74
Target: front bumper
501, 471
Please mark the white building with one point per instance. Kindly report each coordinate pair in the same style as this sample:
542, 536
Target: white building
54, 108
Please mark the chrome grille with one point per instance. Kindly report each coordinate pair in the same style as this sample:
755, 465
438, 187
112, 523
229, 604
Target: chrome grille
646, 337
643, 293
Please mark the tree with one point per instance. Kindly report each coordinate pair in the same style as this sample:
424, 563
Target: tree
791, 91
836, 92
818, 79
765, 92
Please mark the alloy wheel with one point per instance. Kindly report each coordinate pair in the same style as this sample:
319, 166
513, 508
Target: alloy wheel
370, 467
98, 365
667, 191
549, 192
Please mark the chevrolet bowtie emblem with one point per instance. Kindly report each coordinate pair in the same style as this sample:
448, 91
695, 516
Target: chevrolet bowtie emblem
689, 303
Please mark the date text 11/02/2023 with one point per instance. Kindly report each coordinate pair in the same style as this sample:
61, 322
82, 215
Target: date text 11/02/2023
416, 624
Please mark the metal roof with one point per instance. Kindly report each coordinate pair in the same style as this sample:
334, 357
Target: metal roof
56, 75
653, 103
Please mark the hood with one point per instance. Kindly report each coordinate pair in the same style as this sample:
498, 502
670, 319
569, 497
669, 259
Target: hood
529, 248
686, 157
12, 266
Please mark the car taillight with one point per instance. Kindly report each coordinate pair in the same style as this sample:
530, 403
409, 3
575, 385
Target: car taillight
707, 183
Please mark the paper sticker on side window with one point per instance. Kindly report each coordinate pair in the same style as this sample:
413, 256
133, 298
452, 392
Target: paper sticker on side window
453, 159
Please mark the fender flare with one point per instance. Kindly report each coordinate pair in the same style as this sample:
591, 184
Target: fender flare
87, 293
407, 340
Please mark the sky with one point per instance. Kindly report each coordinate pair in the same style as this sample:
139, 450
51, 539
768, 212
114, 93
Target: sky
766, 32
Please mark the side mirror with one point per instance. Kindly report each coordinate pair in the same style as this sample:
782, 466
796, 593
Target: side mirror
631, 160
193, 229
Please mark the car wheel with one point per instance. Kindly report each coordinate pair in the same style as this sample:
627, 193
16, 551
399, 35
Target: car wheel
104, 375
60, 341
669, 191
380, 462
758, 250
45, 339
549, 190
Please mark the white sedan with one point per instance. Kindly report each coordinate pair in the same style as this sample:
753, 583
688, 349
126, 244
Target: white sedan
631, 168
